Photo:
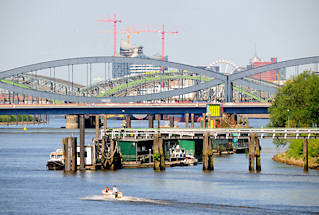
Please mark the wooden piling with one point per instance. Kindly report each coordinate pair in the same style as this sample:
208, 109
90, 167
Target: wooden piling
73, 143
210, 153
186, 120
156, 156
161, 153
150, 121
97, 126
68, 161
171, 121
82, 142
205, 151
192, 120
65, 149
305, 154
257, 149
252, 152
111, 161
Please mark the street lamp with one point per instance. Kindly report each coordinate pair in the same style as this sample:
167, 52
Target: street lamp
288, 117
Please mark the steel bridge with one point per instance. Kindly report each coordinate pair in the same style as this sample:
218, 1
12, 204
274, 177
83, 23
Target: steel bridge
64, 82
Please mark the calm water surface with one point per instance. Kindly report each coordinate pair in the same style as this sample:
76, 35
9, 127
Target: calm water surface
27, 187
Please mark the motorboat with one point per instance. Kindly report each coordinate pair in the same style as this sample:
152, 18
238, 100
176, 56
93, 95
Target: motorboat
189, 160
55, 161
110, 194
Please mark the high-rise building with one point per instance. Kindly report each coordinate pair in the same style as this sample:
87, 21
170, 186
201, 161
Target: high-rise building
273, 75
129, 50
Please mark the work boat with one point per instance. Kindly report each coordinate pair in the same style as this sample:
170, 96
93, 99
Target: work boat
56, 160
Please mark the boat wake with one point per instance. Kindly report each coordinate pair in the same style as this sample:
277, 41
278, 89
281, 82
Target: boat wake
220, 208
124, 199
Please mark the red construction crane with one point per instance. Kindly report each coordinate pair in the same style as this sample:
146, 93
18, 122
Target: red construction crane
163, 32
115, 20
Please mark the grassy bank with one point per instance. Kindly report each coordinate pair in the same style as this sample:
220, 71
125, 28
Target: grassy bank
16, 118
294, 154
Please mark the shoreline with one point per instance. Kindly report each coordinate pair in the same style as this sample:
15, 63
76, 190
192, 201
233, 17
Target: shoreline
282, 158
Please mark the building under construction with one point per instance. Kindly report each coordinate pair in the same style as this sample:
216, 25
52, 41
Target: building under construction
129, 50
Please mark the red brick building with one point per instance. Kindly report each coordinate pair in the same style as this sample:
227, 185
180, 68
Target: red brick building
265, 76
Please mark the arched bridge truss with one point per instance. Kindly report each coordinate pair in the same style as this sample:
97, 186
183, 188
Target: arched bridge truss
28, 80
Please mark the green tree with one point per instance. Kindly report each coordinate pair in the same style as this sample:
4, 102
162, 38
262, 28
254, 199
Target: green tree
298, 100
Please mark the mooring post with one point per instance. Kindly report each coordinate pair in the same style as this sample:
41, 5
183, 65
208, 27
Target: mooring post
69, 155
161, 152
210, 153
186, 120
156, 156
112, 145
305, 154
171, 121
205, 151
82, 142
97, 126
252, 152
257, 148
65, 150
74, 153
192, 120
150, 121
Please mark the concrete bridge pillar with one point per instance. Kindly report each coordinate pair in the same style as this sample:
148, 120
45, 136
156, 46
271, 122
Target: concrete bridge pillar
171, 121
150, 121
186, 120
72, 122
192, 120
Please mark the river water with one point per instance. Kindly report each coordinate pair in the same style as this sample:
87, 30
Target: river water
27, 187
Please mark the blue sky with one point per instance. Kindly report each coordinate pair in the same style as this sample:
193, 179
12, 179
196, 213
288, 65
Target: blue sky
39, 30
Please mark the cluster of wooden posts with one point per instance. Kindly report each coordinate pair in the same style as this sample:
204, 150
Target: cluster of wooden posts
254, 152
70, 148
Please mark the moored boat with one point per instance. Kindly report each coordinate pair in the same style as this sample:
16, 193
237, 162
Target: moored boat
56, 160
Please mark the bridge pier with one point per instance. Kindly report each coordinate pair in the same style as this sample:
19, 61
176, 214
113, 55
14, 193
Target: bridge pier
158, 118
128, 121
171, 121
72, 122
186, 120
150, 121
192, 120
